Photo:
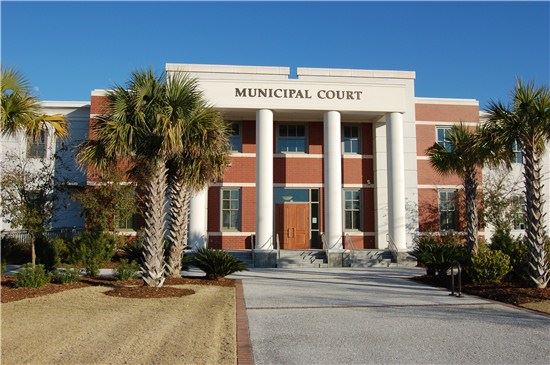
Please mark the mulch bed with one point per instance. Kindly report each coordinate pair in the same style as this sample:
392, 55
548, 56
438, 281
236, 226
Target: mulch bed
9, 293
146, 292
505, 292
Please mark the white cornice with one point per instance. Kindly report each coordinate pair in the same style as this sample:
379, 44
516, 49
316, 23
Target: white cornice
344, 72
230, 69
446, 101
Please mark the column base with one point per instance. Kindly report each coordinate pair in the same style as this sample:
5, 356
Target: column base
335, 258
265, 258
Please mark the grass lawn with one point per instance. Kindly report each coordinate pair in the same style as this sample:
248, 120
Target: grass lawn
86, 326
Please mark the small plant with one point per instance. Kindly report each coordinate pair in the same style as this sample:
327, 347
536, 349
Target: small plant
93, 250
133, 250
127, 270
15, 251
4, 266
217, 263
31, 277
438, 254
516, 249
65, 276
489, 266
51, 252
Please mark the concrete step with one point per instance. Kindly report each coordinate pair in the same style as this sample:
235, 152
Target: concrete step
304, 258
314, 265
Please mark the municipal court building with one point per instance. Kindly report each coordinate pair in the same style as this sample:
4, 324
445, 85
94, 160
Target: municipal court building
328, 158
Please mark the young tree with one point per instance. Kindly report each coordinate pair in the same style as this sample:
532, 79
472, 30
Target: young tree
28, 193
525, 120
463, 158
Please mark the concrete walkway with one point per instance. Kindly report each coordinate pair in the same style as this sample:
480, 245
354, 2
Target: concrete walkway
358, 316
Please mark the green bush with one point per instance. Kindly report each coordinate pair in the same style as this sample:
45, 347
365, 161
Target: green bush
31, 277
15, 251
127, 270
65, 276
4, 266
217, 263
51, 252
438, 254
489, 266
133, 250
516, 249
93, 250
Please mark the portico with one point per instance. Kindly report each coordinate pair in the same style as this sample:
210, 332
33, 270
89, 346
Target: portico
380, 103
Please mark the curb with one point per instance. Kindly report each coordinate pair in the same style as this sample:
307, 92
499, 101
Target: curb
244, 346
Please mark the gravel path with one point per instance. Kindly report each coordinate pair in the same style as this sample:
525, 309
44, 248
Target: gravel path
87, 327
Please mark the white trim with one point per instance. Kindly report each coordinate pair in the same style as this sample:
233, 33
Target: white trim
243, 154
231, 234
64, 104
342, 72
429, 186
233, 184
446, 101
436, 123
99, 92
423, 158
227, 69
297, 155
359, 234
358, 186
352, 156
298, 185
94, 115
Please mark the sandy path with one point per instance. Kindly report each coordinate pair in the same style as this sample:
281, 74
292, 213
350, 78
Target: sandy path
85, 326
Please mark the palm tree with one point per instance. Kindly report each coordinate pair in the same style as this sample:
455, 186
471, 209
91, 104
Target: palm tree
20, 110
142, 125
526, 120
463, 158
203, 160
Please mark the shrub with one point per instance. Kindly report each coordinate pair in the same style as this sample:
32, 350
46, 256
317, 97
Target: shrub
93, 250
51, 252
31, 277
489, 266
438, 254
133, 250
127, 270
4, 266
516, 249
65, 276
217, 263
15, 251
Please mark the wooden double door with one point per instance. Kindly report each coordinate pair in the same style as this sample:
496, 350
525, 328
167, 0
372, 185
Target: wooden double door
292, 220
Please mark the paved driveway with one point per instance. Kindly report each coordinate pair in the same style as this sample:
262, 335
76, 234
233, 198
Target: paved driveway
337, 316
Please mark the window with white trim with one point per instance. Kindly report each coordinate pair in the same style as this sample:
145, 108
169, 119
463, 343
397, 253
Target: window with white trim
235, 139
519, 209
447, 210
350, 139
36, 148
230, 209
291, 138
352, 210
518, 152
442, 137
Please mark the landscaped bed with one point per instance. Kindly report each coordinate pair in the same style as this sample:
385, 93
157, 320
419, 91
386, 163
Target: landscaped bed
83, 325
507, 293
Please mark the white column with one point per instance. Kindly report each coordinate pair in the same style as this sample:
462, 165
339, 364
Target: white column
396, 180
198, 219
264, 179
333, 180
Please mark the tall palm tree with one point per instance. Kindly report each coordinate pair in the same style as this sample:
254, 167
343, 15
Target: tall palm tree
463, 158
525, 120
203, 160
141, 125
20, 110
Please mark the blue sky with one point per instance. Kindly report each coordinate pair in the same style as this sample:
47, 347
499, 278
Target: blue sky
465, 50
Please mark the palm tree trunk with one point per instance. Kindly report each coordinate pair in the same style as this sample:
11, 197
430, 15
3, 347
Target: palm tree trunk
470, 187
538, 264
153, 248
179, 214
33, 251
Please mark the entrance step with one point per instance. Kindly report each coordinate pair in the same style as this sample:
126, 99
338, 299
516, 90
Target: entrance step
367, 258
302, 258
243, 255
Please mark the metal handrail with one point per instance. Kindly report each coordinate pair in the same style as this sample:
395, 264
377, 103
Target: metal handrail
253, 248
278, 246
392, 247
459, 272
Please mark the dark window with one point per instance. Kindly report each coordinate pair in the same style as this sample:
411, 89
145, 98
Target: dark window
292, 138
36, 148
352, 209
442, 137
235, 137
230, 204
447, 210
518, 152
350, 139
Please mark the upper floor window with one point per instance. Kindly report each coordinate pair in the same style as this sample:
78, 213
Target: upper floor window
235, 137
36, 148
230, 207
442, 137
518, 152
519, 209
447, 210
350, 139
291, 138
352, 209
